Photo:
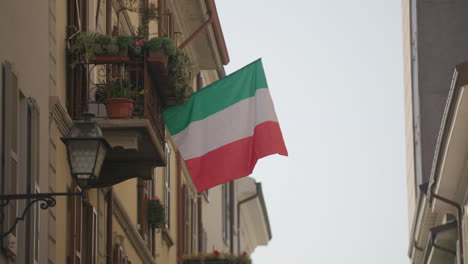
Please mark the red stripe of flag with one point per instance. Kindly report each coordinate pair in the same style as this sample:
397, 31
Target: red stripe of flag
237, 159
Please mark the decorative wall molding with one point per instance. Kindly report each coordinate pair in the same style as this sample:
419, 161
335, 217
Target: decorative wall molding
59, 114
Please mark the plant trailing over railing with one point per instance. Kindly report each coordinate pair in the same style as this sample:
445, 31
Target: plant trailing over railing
179, 76
179, 67
217, 258
156, 217
164, 45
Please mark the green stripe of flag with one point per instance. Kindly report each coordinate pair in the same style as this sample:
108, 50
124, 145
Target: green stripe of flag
217, 96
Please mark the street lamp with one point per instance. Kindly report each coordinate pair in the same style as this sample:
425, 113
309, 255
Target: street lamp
86, 151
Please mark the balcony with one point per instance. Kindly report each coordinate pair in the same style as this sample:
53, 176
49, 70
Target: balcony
123, 94
126, 83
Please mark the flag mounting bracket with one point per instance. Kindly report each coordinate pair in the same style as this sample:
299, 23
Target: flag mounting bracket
44, 200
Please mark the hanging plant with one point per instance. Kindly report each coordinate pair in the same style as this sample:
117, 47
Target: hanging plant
156, 217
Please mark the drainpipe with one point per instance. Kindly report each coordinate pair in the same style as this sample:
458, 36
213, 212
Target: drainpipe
198, 31
238, 214
460, 218
213, 19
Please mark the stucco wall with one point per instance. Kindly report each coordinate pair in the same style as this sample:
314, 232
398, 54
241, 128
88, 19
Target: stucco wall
25, 44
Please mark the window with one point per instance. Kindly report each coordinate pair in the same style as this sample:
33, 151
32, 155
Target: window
143, 196
226, 212
32, 171
75, 226
10, 153
167, 187
89, 234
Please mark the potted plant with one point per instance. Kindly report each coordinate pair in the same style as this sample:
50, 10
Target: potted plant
82, 48
119, 96
136, 47
105, 46
160, 47
124, 43
156, 217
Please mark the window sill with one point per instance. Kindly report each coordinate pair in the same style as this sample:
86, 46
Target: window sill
167, 237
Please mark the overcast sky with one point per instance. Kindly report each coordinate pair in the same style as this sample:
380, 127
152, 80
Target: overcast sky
335, 73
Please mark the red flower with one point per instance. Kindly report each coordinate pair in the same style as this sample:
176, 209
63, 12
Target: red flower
155, 198
138, 43
216, 253
244, 254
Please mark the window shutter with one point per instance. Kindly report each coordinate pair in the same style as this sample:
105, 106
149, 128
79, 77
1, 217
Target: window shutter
94, 227
75, 227
10, 153
116, 257
33, 136
33, 175
89, 234
145, 211
35, 239
139, 204
201, 248
194, 225
186, 218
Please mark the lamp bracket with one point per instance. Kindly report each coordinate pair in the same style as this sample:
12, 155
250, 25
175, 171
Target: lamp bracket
46, 201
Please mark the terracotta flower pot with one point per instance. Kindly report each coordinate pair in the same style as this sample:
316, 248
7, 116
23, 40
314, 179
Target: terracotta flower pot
120, 108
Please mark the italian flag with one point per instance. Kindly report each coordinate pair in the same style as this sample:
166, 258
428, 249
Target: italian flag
226, 127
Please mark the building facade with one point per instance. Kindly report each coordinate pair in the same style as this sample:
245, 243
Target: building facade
435, 36
45, 90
